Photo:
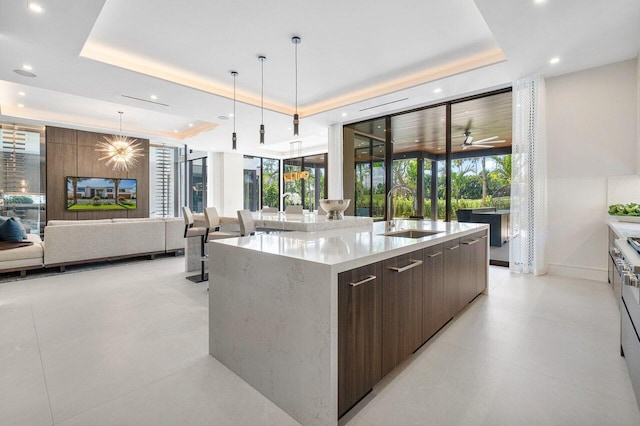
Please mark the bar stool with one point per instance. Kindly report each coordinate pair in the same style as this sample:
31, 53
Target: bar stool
247, 224
191, 231
212, 221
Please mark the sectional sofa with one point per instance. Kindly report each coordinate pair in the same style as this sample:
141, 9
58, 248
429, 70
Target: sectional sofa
68, 242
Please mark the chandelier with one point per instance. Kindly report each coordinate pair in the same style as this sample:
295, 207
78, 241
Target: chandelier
295, 151
119, 150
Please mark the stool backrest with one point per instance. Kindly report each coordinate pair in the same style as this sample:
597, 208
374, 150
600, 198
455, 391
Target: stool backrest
211, 217
270, 210
247, 224
188, 216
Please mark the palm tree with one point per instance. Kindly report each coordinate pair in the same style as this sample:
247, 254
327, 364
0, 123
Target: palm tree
74, 185
503, 168
116, 184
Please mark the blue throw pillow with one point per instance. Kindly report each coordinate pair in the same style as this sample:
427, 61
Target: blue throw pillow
11, 230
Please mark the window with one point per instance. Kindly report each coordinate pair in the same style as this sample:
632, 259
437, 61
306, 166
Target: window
162, 180
22, 174
261, 183
438, 162
305, 181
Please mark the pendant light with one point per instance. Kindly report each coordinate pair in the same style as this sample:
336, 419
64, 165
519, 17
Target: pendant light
121, 151
234, 138
262, 59
296, 118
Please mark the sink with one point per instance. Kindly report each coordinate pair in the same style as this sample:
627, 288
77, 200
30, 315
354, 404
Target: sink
411, 233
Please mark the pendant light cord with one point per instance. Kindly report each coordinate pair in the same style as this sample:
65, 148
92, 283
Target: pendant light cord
234, 103
262, 96
296, 55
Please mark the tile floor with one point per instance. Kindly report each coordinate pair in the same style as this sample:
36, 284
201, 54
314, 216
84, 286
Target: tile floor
127, 345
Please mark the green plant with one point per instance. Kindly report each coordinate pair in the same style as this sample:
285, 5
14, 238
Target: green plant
17, 199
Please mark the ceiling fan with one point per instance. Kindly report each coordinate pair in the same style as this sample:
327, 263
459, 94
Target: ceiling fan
468, 139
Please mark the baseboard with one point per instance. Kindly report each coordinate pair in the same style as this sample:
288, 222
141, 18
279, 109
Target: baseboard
580, 272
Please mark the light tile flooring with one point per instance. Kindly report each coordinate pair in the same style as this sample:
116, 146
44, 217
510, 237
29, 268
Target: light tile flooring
127, 345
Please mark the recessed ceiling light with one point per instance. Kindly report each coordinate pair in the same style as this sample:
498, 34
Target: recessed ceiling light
154, 97
175, 131
554, 61
416, 140
27, 67
344, 114
20, 105
223, 117
35, 7
466, 112
540, 1
288, 128
231, 115
22, 94
190, 124
438, 90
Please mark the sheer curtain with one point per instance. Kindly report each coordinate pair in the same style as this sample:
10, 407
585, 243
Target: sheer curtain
528, 178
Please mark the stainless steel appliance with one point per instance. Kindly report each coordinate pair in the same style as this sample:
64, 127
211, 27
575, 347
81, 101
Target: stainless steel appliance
628, 267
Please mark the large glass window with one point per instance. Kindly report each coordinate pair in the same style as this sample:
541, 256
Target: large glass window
305, 181
270, 183
261, 183
450, 161
252, 187
368, 144
22, 175
197, 184
314, 189
163, 166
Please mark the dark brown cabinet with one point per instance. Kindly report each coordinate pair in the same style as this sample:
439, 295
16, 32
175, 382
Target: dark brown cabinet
473, 266
482, 263
359, 333
467, 269
388, 309
452, 291
401, 308
434, 311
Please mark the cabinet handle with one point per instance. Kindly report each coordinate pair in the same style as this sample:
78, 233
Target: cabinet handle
363, 281
468, 243
438, 253
484, 237
453, 247
413, 264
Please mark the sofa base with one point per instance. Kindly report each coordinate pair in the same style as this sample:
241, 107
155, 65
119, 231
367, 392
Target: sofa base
22, 269
151, 255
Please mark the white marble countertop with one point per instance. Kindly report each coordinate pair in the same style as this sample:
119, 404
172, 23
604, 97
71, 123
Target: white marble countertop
306, 222
625, 229
352, 247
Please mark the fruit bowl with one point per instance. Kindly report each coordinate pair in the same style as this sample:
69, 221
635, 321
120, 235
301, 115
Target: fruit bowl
334, 208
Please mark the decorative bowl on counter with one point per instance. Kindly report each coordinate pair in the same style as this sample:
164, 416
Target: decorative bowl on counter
335, 208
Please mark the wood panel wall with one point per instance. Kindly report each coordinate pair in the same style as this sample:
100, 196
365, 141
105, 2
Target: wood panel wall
73, 153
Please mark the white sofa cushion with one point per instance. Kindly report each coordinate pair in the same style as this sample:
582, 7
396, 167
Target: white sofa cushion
91, 240
23, 257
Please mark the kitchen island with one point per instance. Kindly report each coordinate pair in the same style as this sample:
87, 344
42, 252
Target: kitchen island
300, 315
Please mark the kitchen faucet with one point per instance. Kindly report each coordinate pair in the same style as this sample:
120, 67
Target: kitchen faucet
390, 224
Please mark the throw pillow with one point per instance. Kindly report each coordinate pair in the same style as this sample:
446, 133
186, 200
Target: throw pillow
10, 230
3, 219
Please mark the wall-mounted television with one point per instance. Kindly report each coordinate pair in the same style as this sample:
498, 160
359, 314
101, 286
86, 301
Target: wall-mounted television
94, 193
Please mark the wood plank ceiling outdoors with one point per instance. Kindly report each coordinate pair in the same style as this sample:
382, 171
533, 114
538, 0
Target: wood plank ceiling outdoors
424, 130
